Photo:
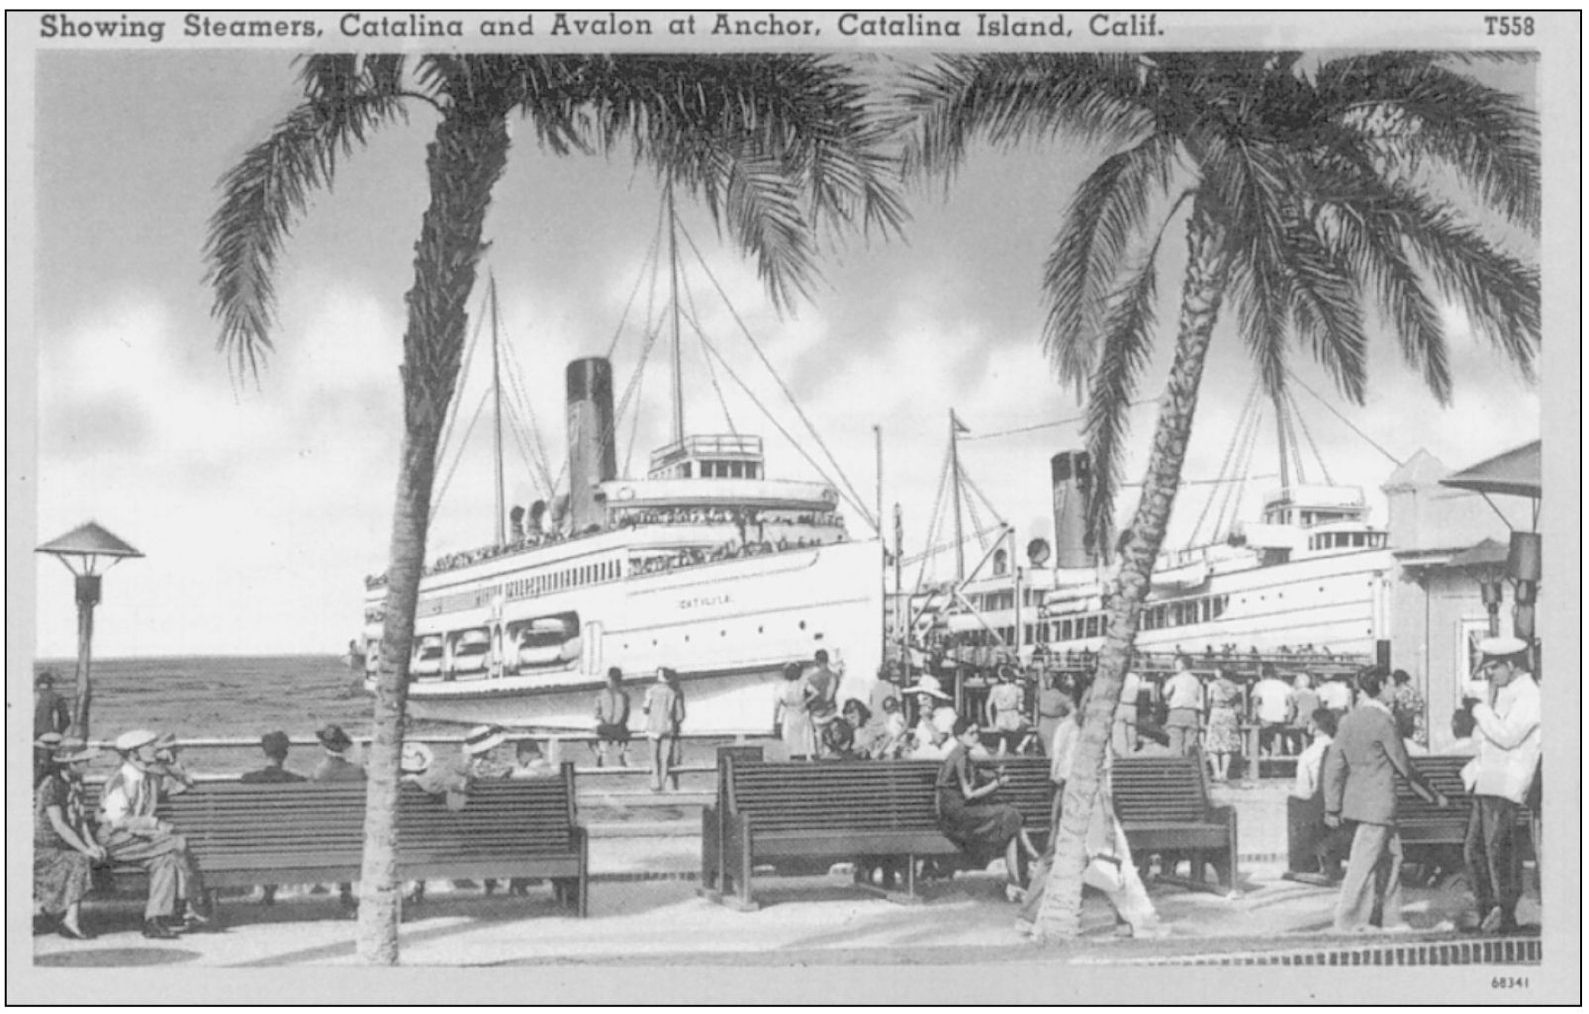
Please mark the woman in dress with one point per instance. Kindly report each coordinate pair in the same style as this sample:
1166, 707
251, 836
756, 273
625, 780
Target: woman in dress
981, 828
1051, 698
790, 717
1223, 738
64, 849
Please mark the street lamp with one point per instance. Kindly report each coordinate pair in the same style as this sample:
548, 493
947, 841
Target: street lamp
81, 550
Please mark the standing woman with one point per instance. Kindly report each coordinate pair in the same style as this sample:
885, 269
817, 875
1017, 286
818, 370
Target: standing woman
64, 849
981, 828
1053, 703
664, 709
1224, 728
789, 716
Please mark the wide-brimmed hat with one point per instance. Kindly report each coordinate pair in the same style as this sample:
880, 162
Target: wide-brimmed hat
72, 752
1502, 647
930, 686
131, 740
482, 738
415, 759
334, 739
166, 740
49, 741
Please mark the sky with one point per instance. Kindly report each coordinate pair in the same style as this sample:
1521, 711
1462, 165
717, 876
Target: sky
261, 505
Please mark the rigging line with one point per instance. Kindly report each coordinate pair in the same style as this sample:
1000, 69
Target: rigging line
786, 434
521, 443
1225, 462
1049, 425
932, 551
435, 504
520, 401
976, 518
651, 257
874, 523
972, 484
1352, 426
1235, 493
1303, 424
711, 372
1205, 482
932, 525
634, 426
1288, 437
463, 373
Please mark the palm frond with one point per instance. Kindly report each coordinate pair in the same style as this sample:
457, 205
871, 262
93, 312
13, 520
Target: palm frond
788, 136
1489, 137
1105, 217
1254, 186
1014, 97
1127, 345
265, 193
1326, 307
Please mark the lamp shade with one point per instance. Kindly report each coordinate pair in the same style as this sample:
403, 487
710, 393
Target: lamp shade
1523, 559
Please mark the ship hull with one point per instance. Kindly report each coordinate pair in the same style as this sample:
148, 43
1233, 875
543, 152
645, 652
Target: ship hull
726, 627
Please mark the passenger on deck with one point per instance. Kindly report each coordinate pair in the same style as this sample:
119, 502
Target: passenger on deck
612, 720
131, 832
335, 767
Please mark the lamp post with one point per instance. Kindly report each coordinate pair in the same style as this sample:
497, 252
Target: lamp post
81, 551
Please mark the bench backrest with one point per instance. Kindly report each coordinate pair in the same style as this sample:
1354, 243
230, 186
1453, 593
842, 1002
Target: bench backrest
232, 825
1442, 772
864, 795
1160, 790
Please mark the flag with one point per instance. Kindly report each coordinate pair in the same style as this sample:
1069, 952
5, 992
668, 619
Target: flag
959, 427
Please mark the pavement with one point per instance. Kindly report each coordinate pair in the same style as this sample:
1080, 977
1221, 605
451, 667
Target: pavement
643, 907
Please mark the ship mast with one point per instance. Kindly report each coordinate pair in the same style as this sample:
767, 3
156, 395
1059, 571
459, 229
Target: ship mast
496, 403
678, 369
1280, 435
954, 456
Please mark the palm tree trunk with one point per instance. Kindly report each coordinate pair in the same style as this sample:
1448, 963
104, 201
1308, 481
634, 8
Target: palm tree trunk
465, 161
1206, 272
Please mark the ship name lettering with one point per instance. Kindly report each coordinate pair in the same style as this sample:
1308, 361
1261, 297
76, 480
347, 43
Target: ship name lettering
704, 600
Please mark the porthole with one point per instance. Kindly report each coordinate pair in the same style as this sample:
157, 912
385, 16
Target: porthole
761, 630
802, 624
722, 633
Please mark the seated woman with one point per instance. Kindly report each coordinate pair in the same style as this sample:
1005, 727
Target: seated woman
64, 849
983, 829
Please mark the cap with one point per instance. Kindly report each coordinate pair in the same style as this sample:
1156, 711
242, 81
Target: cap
127, 742
1502, 647
482, 738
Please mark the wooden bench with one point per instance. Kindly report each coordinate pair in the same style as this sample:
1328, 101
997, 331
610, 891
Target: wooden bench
1165, 808
1434, 837
304, 832
801, 817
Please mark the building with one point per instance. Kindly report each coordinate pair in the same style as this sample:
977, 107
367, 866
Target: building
1450, 546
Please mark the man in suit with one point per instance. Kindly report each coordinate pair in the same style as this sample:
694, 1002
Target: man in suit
1360, 786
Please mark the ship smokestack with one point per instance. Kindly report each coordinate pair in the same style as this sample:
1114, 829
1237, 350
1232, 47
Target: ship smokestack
592, 454
1071, 473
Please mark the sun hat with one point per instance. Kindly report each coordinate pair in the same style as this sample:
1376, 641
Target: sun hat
334, 739
928, 685
49, 741
129, 741
75, 751
415, 759
483, 738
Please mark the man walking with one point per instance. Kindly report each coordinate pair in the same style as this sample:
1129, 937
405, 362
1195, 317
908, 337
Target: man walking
1360, 772
1507, 733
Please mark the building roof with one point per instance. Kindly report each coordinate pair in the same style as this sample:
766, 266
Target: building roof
1516, 472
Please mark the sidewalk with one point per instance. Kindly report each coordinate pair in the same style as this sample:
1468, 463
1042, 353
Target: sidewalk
643, 908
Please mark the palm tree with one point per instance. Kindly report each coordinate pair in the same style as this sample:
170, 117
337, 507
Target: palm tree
1312, 194
776, 146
